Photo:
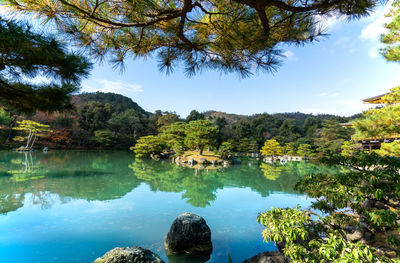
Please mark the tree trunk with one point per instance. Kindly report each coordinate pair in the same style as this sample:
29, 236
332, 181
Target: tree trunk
29, 139
201, 149
33, 142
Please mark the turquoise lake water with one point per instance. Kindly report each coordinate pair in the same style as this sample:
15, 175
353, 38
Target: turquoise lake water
75, 206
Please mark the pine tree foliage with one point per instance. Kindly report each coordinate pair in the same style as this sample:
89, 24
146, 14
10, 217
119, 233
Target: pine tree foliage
380, 122
25, 54
237, 35
305, 150
392, 38
358, 213
271, 148
199, 134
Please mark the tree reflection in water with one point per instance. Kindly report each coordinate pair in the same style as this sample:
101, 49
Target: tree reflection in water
109, 175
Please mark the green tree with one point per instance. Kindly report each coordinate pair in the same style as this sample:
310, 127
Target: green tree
94, 115
348, 148
25, 54
392, 38
199, 134
310, 126
271, 148
32, 130
194, 115
244, 145
380, 122
129, 124
253, 146
290, 149
173, 136
361, 214
147, 146
5, 118
305, 150
240, 36
167, 119
391, 149
103, 137
225, 150
289, 131
331, 136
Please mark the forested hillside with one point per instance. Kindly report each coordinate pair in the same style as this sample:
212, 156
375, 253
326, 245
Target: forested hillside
108, 120
119, 102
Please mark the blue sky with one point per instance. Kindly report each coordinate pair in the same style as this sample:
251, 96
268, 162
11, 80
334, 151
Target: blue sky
329, 76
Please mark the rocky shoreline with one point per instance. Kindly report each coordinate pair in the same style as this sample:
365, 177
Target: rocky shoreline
189, 238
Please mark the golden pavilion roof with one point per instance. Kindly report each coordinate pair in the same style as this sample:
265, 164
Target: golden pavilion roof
375, 100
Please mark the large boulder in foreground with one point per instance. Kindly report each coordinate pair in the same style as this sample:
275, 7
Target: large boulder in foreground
267, 257
189, 234
129, 255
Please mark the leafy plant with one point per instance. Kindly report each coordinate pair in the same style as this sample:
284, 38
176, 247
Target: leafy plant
360, 213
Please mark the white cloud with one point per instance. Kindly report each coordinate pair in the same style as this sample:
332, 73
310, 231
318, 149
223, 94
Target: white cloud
373, 30
288, 54
113, 86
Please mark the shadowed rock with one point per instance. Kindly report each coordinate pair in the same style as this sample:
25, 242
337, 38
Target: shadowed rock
189, 234
267, 257
129, 255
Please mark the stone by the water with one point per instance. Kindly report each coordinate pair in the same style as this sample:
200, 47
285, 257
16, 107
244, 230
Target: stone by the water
202, 161
129, 255
189, 234
267, 257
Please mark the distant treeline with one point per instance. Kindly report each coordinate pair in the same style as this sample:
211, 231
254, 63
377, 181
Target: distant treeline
108, 120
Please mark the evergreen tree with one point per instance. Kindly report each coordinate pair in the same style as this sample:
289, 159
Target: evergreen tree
331, 136
271, 148
199, 134
148, 145
173, 136
195, 115
290, 149
392, 39
237, 35
225, 150
354, 215
381, 122
305, 150
25, 54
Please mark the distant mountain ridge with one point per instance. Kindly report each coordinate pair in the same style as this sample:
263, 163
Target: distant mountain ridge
122, 103
299, 117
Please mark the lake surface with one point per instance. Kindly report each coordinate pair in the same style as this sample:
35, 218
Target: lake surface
75, 206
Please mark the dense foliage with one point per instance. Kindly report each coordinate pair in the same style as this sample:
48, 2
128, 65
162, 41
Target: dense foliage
112, 120
24, 55
237, 35
177, 137
392, 38
271, 148
361, 214
380, 122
